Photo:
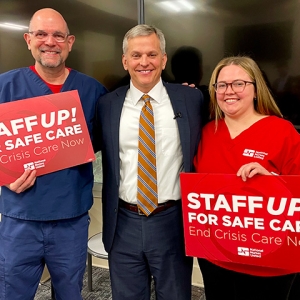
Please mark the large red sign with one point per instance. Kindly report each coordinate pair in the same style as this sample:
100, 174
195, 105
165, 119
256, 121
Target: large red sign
46, 133
254, 223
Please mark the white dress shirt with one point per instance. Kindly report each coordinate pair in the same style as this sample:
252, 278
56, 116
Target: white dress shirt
169, 160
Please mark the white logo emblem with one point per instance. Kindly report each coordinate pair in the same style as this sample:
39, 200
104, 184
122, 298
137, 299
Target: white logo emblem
252, 252
243, 251
255, 154
29, 166
248, 152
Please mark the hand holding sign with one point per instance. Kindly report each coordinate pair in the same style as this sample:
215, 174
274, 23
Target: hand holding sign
251, 169
24, 182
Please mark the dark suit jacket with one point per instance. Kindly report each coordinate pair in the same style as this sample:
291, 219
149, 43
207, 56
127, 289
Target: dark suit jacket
184, 99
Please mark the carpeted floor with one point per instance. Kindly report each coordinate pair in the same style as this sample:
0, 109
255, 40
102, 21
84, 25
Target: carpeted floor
101, 288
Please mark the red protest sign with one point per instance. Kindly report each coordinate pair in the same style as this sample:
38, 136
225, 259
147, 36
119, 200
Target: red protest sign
251, 227
46, 133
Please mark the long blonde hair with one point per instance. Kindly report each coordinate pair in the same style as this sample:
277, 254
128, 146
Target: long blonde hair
264, 104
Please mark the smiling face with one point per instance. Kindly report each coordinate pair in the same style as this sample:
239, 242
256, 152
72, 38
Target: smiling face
235, 104
144, 61
48, 53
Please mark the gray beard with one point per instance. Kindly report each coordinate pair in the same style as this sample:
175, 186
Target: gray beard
51, 65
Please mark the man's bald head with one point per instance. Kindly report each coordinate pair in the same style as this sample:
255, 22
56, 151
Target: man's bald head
50, 15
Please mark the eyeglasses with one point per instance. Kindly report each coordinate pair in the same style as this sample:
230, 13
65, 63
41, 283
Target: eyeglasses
43, 36
237, 86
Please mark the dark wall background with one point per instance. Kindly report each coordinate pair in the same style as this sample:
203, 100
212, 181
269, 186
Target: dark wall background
267, 30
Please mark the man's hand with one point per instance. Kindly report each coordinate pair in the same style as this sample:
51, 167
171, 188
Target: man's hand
190, 85
24, 182
251, 169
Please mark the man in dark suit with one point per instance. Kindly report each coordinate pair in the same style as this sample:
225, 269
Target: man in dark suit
142, 246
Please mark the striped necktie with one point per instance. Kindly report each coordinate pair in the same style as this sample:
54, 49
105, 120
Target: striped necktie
147, 180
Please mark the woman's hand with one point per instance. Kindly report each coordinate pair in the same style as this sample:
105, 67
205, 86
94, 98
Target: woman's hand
24, 182
251, 169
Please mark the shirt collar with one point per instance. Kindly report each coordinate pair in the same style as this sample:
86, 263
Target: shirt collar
155, 93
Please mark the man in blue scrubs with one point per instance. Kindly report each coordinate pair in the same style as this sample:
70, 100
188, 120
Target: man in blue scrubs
45, 219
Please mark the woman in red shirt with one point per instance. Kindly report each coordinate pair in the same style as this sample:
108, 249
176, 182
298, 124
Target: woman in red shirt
246, 121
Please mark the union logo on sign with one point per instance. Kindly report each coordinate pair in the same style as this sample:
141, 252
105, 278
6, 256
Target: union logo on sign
243, 251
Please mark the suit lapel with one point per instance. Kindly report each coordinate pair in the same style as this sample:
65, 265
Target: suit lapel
178, 102
116, 103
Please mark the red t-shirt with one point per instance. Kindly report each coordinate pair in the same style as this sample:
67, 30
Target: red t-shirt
272, 142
